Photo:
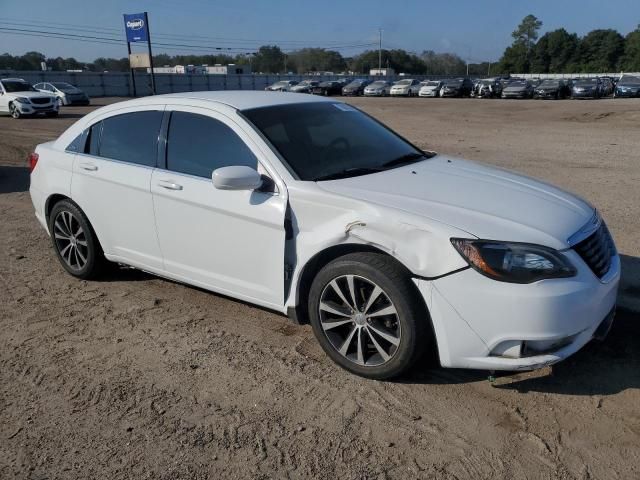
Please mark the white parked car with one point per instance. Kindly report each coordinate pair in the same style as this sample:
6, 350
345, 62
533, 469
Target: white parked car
19, 98
282, 86
309, 207
430, 88
379, 88
66, 93
405, 88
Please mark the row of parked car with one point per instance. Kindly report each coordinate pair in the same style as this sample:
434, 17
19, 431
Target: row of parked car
498, 87
19, 98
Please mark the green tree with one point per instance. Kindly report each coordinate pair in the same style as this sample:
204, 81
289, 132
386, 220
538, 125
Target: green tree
517, 57
630, 61
400, 60
443, 63
269, 59
317, 60
601, 51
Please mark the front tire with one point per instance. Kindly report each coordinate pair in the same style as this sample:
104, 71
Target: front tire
75, 242
367, 316
15, 113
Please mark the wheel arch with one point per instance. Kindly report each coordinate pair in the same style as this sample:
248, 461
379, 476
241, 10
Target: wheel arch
56, 198
299, 312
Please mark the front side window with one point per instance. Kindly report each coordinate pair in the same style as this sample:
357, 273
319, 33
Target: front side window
197, 145
130, 137
322, 140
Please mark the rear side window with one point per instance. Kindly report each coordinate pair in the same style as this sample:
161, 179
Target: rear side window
197, 145
130, 137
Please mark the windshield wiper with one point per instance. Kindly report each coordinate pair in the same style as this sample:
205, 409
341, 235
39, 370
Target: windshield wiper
404, 159
348, 172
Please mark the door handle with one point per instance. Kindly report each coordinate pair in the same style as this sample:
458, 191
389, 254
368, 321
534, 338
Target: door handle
89, 167
169, 185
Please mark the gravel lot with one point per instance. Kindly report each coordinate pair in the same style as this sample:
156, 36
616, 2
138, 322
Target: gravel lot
138, 377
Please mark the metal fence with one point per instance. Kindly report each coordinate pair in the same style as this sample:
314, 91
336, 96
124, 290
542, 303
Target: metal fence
118, 84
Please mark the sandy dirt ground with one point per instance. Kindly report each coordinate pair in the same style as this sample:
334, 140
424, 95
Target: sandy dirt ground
135, 377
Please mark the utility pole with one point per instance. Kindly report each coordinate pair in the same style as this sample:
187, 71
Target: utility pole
379, 51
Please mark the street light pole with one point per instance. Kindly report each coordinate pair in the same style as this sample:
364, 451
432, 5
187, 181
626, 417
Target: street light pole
379, 51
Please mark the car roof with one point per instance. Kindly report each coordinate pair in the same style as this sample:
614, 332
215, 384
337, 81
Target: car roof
12, 79
238, 99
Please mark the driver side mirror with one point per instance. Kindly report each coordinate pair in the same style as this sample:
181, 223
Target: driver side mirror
237, 177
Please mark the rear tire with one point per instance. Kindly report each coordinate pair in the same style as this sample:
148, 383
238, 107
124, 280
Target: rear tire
74, 241
383, 329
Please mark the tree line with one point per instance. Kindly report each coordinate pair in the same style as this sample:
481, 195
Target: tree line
558, 51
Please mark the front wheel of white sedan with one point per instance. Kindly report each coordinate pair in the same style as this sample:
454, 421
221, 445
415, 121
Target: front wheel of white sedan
366, 314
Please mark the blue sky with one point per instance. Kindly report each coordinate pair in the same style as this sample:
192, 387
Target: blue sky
476, 30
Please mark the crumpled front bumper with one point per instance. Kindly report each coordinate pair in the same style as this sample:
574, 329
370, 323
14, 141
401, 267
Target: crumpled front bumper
484, 324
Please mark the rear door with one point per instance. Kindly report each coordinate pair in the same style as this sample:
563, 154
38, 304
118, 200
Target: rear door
228, 241
111, 183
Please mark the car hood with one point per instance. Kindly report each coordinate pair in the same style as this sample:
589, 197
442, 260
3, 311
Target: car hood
483, 201
30, 94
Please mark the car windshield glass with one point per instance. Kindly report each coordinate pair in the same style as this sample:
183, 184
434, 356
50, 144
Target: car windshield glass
12, 86
454, 83
588, 81
378, 84
63, 86
281, 84
322, 140
432, 84
550, 83
517, 83
629, 81
404, 82
355, 83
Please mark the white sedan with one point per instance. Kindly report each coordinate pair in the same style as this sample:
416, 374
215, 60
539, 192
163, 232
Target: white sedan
307, 206
66, 93
405, 88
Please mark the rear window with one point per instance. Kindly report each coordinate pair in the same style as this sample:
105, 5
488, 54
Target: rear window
130, 137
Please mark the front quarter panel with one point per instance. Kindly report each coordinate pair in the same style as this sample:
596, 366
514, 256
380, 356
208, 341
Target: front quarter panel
322, 219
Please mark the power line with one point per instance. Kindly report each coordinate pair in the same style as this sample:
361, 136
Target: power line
107, 30
116, 41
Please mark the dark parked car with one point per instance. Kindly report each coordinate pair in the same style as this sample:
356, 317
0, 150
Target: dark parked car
331, 87
627, 86
518, 89
552, 88
607, 86
355, 88
487, 88
587, 88
459, 87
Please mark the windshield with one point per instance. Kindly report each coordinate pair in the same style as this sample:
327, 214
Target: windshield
486, 82
432, 84
12, 86
550, 83
404, 82
281, 84
454, 83
63, 86
379, 84
322, 140
587, 81
517, 83
629, 81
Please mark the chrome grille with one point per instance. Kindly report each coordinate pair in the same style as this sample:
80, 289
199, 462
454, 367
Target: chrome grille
597, 250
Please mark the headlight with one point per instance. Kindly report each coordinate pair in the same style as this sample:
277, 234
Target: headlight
513, 262
22, 100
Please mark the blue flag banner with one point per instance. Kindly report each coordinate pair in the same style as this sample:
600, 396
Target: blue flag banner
136, 27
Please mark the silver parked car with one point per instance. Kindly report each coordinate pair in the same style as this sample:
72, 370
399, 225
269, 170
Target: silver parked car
379, 88
65, 93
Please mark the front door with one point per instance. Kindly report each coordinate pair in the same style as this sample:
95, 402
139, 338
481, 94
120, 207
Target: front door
229, 241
